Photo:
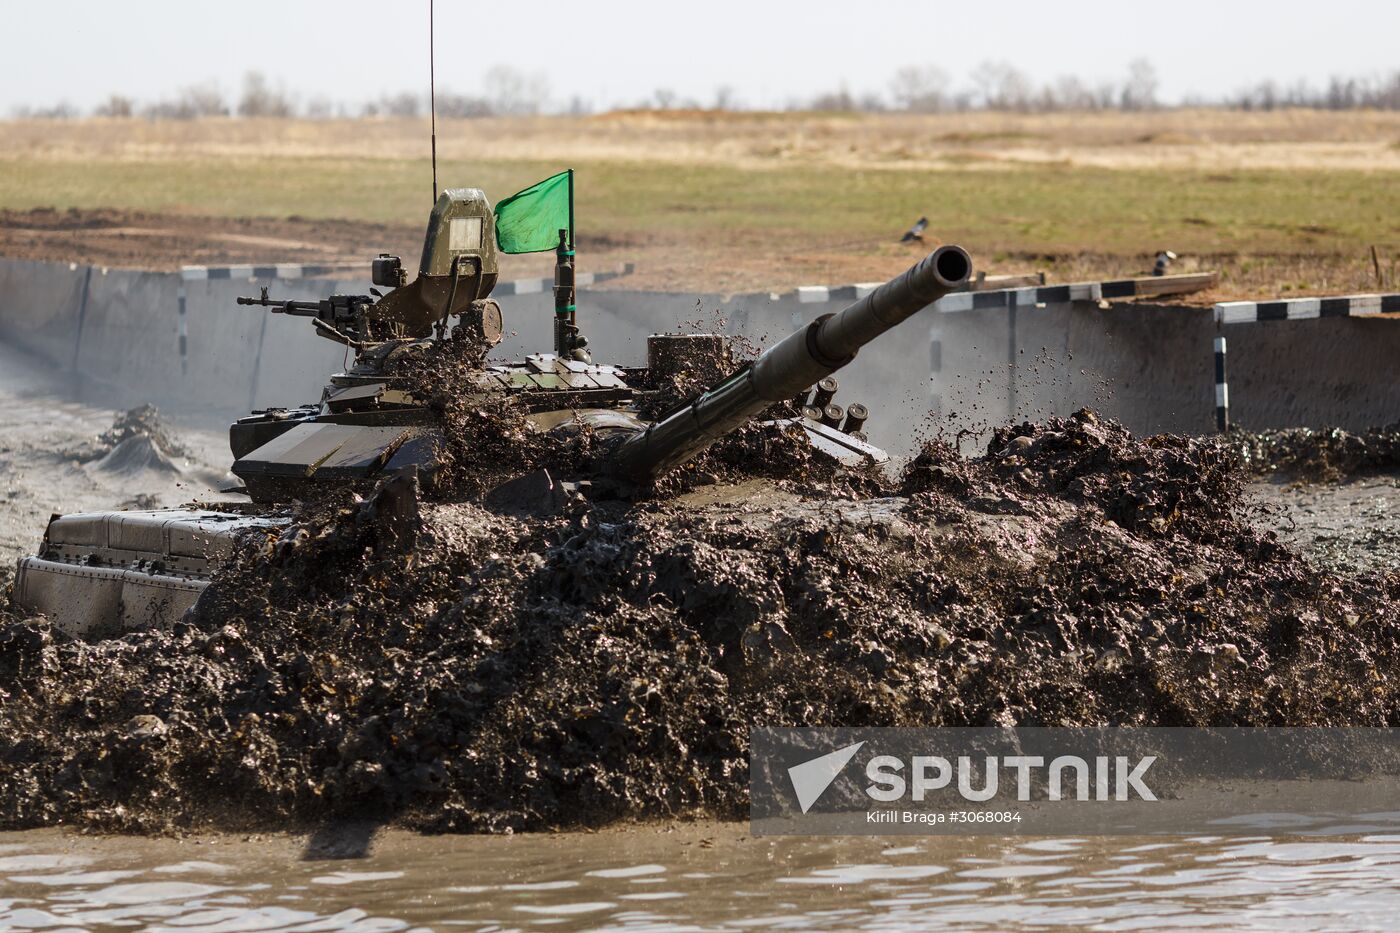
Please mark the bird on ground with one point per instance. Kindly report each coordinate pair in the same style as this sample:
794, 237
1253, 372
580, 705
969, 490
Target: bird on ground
916, 232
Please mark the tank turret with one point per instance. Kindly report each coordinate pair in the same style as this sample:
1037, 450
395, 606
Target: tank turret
456, 274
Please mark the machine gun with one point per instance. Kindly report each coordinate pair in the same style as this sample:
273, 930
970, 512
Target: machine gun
342, 318
455, 277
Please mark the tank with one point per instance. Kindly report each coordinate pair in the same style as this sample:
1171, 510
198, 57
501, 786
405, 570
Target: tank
99, 574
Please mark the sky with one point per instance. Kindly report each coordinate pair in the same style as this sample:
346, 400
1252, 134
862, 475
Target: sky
614, 53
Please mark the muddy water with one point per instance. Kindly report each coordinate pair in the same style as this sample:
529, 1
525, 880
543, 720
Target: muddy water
711, 876
1351, 525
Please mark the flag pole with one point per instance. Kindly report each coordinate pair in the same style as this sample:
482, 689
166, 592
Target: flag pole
571, 208
565, 329
573, 262
566, 339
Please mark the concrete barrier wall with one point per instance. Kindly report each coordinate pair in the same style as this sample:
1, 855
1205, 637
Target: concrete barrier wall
239, 358
1147, 365
128, 340
40, 307
1152, 366
1329, 371
122, 346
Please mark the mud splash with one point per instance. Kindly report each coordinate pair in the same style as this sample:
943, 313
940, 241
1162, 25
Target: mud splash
486, 441
1320, 455
440, 666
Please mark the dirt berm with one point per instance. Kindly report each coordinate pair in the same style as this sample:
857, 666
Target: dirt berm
606, 661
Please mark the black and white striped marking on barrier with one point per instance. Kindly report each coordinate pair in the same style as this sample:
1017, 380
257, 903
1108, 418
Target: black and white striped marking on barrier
1303, 309
582, 280
184, 332
276, 271
960, 301
1222, 388
1030, 296
1290, 309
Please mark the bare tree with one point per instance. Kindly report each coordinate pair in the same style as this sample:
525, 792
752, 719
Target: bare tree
260, 99
1070, 93
870, 102
1341, 94
1140, 90
665, 98
405, 104
1263, 96
1387, 95
191, 102
62, 110
725, 99
834, 101
513, 92
1002, 87
319, 108
1299, 94
922, 90
204, 100
116, 105
462, 106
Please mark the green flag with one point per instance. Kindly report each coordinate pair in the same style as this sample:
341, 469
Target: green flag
529, 221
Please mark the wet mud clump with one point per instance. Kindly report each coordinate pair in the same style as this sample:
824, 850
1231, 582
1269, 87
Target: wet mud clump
137, 437
1152, 486
488, 440
440, 665
683, 366
483, 439
1320, 455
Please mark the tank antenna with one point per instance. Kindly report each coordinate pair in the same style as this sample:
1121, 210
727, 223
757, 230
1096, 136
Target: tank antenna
432, 96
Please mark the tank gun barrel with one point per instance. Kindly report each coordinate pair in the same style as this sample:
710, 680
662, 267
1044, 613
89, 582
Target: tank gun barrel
789, 367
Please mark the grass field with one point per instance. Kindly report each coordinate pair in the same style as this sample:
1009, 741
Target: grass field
1291, 203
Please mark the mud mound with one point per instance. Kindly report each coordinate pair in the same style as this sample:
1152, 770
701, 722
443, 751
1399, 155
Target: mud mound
439, 666
1320, 455
1151, 486
135, 455
141, 435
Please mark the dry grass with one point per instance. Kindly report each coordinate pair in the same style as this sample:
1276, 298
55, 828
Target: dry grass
1285, 201
1169, 139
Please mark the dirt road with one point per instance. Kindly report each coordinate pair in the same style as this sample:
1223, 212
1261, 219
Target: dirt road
164, 242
